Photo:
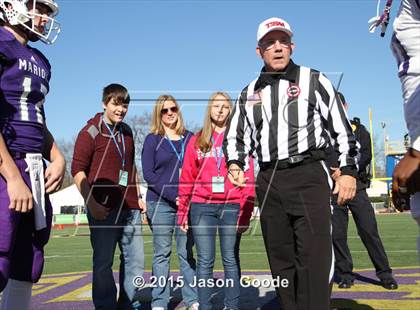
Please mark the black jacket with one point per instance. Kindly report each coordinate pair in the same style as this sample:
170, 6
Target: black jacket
363, 137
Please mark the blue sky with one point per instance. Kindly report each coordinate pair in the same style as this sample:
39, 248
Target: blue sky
193, 48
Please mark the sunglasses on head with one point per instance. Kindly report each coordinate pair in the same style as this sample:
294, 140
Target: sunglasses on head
166, 110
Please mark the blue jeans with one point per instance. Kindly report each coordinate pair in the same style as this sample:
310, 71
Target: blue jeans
206, 219
162, 219
123, 229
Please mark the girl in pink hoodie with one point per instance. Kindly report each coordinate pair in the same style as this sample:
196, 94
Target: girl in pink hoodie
208, 202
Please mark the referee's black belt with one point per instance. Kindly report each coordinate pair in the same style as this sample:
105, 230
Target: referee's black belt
295, 160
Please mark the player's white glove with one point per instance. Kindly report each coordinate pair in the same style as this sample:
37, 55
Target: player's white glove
374, 22
382, 20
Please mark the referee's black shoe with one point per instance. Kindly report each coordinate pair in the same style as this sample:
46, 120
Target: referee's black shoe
389, 283
346, 283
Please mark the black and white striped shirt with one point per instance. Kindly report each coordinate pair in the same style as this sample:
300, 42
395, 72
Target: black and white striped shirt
285, 114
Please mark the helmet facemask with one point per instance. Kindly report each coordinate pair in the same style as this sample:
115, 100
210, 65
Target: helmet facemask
17, 13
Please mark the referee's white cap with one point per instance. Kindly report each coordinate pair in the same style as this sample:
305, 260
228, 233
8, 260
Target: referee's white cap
271, 24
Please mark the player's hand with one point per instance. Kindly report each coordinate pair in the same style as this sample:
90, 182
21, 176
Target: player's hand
54, 175
20, 195
236, 175
345, 187
374, 23
336, 173
142, 206
406, 179
177, 201
98, 211
406, 173
184, 226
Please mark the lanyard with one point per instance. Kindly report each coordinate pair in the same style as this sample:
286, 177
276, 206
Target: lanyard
122, 153
180, 156
219, 155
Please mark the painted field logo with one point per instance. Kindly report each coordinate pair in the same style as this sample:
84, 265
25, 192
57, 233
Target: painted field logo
74, 291
293, 91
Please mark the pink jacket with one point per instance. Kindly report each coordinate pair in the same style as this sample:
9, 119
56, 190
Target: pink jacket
195, 184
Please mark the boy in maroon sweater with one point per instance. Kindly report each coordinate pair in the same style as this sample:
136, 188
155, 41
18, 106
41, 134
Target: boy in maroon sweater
105, 173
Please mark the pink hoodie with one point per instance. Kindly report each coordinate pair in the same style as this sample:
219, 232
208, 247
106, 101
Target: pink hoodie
195, 184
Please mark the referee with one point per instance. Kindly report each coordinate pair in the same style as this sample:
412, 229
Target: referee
282, 117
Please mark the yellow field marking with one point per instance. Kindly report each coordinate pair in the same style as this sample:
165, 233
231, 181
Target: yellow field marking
246, 271
66, 273
81, 294
42, 286
415, 290
413, 275
381, 304
396, 268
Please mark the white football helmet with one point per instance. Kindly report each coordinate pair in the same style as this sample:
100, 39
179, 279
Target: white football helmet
18, 12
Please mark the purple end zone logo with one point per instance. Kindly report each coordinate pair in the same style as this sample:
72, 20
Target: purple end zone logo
293, 91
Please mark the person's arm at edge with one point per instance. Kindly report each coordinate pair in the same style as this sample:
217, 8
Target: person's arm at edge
54, 174
82, 155
142, 204
365, 149
186, 183
238, 134
247, 199
20, 195
333, 111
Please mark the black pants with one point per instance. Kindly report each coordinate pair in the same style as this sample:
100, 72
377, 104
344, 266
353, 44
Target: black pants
296, 226
364, 217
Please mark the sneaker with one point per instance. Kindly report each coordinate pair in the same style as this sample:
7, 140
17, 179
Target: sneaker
194, 306
158, 308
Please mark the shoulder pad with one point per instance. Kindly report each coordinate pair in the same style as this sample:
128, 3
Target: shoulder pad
6, 48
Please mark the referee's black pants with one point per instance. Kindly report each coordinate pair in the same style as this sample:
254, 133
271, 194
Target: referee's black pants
296, 226
367, 228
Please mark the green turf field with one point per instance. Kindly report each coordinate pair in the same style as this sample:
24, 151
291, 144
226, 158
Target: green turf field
66, 253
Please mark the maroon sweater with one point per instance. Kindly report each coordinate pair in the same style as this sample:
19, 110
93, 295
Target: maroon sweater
96, 154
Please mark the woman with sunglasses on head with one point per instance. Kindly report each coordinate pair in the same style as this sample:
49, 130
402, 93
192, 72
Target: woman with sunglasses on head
162, 157
216, 204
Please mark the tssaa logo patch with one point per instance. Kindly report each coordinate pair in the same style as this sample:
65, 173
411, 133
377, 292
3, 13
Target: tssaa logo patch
293, 91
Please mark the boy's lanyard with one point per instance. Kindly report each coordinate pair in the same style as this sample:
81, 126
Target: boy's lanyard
180, 156
122, 153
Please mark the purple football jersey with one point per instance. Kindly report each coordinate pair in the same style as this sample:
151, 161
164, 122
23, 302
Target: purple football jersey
24, 84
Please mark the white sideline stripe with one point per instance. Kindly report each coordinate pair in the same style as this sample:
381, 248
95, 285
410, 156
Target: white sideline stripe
242, 253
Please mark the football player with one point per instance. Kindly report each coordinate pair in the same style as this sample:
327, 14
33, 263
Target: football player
405, 46
25, 210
